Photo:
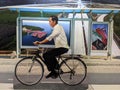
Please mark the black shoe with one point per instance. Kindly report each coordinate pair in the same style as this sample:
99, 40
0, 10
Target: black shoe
52, 74
55, 75
60, 71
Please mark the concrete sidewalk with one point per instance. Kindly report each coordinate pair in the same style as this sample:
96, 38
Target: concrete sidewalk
91, 61
102, 74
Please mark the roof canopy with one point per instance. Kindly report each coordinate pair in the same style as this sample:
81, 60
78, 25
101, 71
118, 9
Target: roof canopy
68, 8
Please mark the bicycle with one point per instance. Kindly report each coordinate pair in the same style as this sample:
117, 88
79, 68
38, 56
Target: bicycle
29, 70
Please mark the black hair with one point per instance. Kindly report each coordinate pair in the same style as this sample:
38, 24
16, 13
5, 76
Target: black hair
54, 18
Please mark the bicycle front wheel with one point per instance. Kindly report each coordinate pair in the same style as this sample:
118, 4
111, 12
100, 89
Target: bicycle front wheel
28, 71
73, 72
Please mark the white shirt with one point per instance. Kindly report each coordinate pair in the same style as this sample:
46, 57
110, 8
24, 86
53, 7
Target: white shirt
59, 37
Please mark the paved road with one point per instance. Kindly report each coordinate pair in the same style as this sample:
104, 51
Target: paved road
101, 18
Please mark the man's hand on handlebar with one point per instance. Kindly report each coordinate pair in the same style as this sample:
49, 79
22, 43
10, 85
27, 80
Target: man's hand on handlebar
40, 42
36, 43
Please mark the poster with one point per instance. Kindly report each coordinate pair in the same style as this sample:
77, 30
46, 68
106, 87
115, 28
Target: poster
99, 36
38, 29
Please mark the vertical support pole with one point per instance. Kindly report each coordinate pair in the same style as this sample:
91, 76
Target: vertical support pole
86, 48
63, 14
72, 34
41, 13
17, 35
90, 35
110, 38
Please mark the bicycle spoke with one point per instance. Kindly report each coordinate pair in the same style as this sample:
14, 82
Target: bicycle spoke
28, 71
67, 66
75, 66
74, 71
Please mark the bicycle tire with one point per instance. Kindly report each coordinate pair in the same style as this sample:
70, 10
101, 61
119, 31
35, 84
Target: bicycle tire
76, 75
22, 71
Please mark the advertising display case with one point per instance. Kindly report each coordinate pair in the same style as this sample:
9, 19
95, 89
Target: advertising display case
100, 34
37, 29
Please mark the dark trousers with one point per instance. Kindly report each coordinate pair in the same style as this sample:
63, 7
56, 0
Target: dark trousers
50, 57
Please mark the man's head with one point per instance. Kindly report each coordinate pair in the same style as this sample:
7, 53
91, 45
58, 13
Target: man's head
53, 20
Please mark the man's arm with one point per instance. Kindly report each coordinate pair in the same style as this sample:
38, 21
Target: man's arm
44, 41
40, 42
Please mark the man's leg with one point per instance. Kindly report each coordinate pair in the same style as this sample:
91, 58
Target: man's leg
50, 58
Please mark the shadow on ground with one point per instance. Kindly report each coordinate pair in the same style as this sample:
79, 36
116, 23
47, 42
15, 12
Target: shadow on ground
49, 84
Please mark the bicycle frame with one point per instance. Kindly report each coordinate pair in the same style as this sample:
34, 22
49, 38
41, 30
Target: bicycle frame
37, 54
63, 60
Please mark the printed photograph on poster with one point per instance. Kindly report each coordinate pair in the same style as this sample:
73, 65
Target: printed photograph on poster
99, 36
38, 30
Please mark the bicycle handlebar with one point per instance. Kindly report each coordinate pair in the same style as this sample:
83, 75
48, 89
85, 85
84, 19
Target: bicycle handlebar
45, 46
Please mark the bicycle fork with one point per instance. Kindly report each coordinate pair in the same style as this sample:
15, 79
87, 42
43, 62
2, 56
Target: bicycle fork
33, 61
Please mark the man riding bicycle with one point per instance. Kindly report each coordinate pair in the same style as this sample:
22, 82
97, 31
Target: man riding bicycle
61, 46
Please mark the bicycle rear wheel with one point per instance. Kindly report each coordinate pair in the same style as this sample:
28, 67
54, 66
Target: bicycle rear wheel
28, 71
74, 71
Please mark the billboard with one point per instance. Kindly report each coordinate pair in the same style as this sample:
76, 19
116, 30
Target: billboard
37, 29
